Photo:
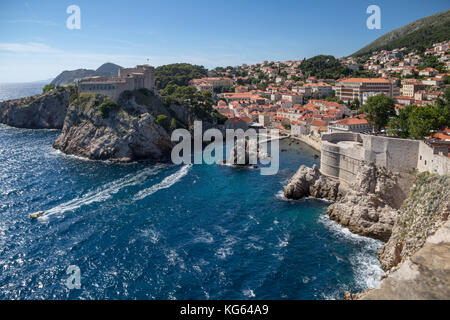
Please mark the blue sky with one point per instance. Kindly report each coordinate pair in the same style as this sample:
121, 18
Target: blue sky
35, 43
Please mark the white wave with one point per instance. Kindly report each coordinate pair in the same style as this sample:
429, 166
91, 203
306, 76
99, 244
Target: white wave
204, 237
166, 183
366, 267
280, 196
227, 248
283, 242
249, 293
103, 193
151, 235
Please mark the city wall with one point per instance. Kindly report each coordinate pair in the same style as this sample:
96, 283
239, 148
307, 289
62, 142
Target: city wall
343, 155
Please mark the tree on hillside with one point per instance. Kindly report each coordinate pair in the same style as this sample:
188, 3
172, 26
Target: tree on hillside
379, 109
355, 104
419, 122
322, 66
400, 125
178, 74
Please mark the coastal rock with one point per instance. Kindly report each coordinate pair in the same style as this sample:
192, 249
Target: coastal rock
425, 210
310, 182
423, 276
244, 155
99, 129
44, 111
367, 208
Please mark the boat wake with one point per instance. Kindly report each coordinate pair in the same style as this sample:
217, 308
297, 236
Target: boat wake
102, 194
166, 183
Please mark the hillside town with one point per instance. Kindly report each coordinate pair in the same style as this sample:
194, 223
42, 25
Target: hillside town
280, 95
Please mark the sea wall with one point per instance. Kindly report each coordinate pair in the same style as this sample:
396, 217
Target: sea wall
313, 142
344, 154
399, 155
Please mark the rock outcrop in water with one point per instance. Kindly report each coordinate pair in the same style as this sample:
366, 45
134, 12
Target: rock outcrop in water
367, 208
97, 128
308, 182
44, 111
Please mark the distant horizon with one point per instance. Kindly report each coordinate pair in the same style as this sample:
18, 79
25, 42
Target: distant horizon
36, 44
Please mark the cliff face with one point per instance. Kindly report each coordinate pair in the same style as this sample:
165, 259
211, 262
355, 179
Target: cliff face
99, 129
425, 210
45, 111
366, 207
423, 276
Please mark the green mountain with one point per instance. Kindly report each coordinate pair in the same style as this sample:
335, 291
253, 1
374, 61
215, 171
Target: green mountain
69, 77
418, 35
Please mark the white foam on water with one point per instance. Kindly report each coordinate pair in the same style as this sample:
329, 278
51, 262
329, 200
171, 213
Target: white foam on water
204, 237
249, 293
284, 241
103, 193
280, 196
227, 248
151, 234
366, 267
166, 183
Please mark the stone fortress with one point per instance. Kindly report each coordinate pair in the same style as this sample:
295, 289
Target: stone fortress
343, 155
142, 76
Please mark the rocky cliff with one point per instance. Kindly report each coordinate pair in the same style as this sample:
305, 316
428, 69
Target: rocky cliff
135, 128
417, 255
423, 276
366, 207
44, 111
309, 182
416, 230
426, 209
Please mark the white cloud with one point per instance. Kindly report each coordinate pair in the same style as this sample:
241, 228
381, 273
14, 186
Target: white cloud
30, 47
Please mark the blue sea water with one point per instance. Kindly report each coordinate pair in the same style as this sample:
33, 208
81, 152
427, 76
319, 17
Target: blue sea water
160, 231
10, 91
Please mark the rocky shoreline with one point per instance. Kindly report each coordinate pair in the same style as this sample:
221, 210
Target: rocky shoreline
370, 207
44, 111
98, 129
136, 127
365, 207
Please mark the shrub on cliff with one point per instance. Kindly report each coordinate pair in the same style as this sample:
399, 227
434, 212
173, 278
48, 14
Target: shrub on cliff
106, 107
163, 121
48, 87
73, 97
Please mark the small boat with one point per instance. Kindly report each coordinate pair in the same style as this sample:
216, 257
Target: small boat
36, 215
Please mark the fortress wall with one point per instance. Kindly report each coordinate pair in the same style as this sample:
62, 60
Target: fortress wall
398, 155
344, 160
341, 136
433, 163
341, 162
